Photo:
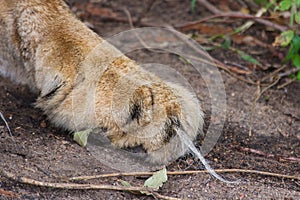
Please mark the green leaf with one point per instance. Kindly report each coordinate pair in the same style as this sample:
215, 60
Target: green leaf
296, 60
157, 179
193, 5
81, 137
284, 38
285, 5
297, 2
249, 58
294, 48
290, 54
298, 76
267, 98
185, 60
269, 5
297, 17
209, 48
227, 43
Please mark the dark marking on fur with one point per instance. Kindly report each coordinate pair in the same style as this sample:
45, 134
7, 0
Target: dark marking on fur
171, 127
135, 112
52, 92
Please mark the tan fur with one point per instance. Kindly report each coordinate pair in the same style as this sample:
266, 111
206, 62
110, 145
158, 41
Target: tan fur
44, 46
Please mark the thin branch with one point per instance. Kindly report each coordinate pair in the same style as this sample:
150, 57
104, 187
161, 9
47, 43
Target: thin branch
66, 185
123, 20
230, 67
210, 7
235, 15
186, 173
248, 24
72, 186
287, 83
218, 13
267, 155
129, 17
204, 19
159, 196
289, 72
273, 74
75, 186
143, 14
215, 10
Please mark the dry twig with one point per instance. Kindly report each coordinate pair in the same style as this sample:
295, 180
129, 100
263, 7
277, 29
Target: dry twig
209, 6
125, 20
143, 14
273, 74
216, 11
287, 83
232, 15
248, 24
187, 173
289, 72
268, 155
75, 186
71, 186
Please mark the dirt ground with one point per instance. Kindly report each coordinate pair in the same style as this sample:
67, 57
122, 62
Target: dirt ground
43, 152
